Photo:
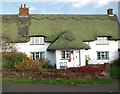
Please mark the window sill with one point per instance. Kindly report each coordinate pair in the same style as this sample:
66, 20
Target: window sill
103, 59
64, 59
37, 44
102, 44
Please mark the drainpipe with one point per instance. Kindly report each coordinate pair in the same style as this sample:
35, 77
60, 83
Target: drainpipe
73, 58
79, 59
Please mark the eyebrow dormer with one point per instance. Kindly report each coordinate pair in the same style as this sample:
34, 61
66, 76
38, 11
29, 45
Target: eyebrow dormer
37, 40
102, 40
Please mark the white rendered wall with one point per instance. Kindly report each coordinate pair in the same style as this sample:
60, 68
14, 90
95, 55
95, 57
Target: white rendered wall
112, 47
82, 59
55, 56
27, 49
74, 62
119, 44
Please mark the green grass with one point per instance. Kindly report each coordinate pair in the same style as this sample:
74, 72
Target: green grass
61, 82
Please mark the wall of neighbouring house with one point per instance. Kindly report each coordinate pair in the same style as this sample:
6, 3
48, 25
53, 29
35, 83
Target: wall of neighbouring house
112, 47
119, 44
27, 49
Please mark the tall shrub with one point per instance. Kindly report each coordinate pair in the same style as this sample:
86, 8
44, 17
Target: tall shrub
10, 58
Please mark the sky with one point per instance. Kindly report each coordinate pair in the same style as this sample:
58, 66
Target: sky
60, 6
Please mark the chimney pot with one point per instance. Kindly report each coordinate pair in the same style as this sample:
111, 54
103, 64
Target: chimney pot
21, 5
23, 12
24, 5
110, 11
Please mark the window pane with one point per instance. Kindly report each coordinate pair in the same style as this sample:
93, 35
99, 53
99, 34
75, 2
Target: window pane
102, 55
98, 55
102, 40
37, 55
63, 54
68, 54
42, 55
33, 56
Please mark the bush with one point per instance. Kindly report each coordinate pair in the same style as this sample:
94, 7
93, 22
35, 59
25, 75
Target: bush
116, 62
45, 63
10, 58
28, 65
90, 70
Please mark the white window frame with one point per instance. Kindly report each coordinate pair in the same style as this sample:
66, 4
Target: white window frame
63, 65
102, 41
103, 55
37, 41
39, 54
65, 54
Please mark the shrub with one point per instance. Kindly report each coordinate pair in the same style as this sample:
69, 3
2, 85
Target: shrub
116, 62
90, 70
10, 58
45, 63
28, 65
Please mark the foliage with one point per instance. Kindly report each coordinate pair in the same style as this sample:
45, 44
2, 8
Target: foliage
10, 58
115, 71
45, 63
33, 65
26, 65
116, 62
90, 70
33, 69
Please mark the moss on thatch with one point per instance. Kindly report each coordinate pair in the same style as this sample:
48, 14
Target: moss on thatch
84, 27
67, 40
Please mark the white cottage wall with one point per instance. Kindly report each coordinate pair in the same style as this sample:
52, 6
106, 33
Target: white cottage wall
55, 56
27, 49
82, 59
74, 62
112, 47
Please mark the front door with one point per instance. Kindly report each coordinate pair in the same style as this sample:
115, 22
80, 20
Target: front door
76, 58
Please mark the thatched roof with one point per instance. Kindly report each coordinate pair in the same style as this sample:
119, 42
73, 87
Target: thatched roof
83, 27
67, 40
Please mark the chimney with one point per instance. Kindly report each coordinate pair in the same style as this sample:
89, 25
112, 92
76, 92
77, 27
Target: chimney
23, 12
21, 5
24, 5
110, 12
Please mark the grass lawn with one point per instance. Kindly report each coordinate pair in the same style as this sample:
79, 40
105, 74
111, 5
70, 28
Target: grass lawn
61, 82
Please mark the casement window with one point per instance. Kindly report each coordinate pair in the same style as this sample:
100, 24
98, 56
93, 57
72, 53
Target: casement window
36, 40
102, 40
102, 55
36, 55
66, 54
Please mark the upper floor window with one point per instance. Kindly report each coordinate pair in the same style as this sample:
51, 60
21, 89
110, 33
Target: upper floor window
102, 40
36, 40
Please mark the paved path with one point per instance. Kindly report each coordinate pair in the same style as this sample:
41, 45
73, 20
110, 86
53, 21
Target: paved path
18, 87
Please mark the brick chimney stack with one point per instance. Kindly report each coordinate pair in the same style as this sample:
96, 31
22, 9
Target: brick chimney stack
110, 12
23, 12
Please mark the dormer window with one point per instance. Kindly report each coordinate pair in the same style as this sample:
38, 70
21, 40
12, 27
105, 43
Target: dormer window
37, 40
102, 40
